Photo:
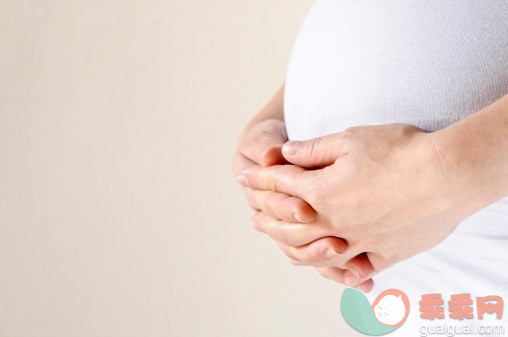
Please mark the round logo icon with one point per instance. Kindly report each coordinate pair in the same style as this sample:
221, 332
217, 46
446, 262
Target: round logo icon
388, 311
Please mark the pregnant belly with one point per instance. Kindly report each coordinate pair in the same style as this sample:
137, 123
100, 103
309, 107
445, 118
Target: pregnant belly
429, 64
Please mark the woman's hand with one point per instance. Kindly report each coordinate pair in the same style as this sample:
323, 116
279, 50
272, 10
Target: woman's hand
260, 146
388, 190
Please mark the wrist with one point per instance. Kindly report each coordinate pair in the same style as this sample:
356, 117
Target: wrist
473, 152
273, 110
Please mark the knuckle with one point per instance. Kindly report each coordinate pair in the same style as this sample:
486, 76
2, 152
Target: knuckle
325, 272
249, 193
391, 255
248, 197
274, 199
312, 196
289, 251
273, 183
309, 256
283, 235
276, 205
317, 255
314, 146
264, 179
251, 197
316, 188
351, 132
236, 164
252, 204
352, 136
343, 229
322, 271
269, 204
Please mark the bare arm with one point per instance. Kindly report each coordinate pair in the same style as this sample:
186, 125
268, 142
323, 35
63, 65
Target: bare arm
478, 145
274, 109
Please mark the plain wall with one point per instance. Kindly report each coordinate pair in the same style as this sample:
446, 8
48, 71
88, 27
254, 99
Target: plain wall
119, 214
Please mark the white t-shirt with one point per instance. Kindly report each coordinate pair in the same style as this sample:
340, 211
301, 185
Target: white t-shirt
426, 63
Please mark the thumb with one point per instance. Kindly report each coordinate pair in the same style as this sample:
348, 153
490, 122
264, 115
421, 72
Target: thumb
271, 154
317, 152
264, 144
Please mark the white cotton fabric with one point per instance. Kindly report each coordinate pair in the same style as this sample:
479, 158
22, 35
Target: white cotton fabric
426, 63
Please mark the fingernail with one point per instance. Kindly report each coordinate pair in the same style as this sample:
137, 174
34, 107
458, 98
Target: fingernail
256, 216
330, 253
255, 225
242, 180
363, 287
290, 148
351, 281
295, 263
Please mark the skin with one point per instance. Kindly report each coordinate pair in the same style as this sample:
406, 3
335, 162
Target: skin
260, 146
391, 191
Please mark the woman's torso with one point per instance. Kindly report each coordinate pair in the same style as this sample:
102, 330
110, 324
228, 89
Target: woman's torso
426, 63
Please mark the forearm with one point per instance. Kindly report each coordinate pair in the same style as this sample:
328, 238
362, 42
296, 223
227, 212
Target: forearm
477, 148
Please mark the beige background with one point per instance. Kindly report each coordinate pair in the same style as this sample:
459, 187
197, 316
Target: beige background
119, 215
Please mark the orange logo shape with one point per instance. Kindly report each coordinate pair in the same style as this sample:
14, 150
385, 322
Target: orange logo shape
391, 307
